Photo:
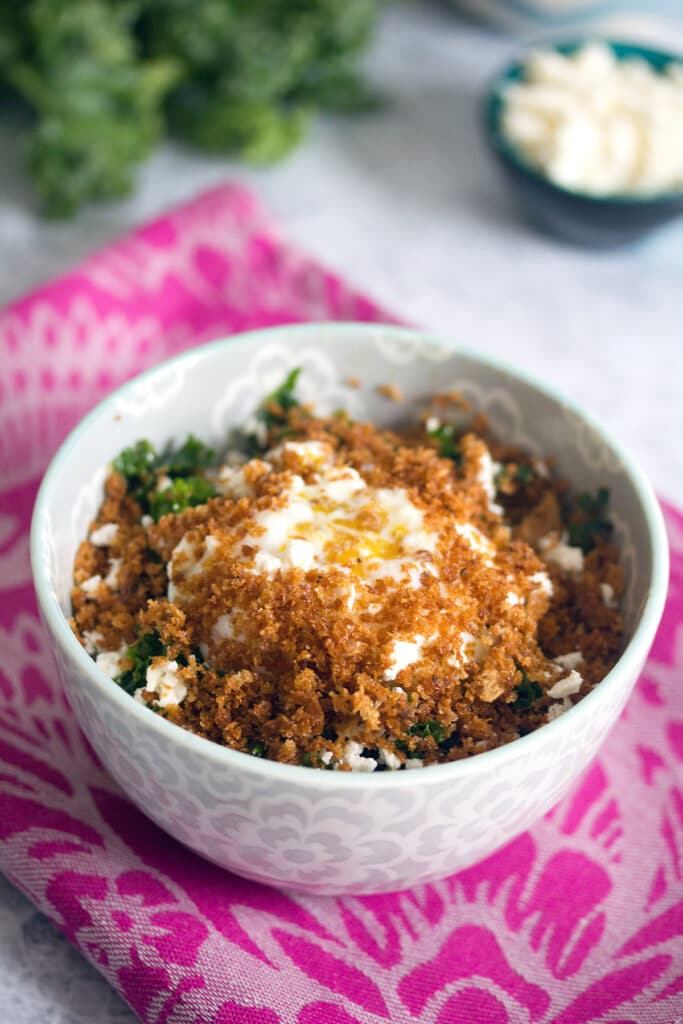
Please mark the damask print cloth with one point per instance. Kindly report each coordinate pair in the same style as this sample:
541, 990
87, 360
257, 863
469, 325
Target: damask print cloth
578, 920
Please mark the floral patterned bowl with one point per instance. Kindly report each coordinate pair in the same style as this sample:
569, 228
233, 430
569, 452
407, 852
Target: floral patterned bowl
301, 828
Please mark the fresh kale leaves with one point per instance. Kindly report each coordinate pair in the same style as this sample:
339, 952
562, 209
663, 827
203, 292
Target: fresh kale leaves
272, 413
141, 465
191, 456
431, 728
447, 442
138, 465
140, 653
276, 406
184, 492
105, 79
136, 462
588, 520
525, 473
527, 692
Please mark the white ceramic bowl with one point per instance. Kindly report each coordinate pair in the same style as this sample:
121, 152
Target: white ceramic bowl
302, 828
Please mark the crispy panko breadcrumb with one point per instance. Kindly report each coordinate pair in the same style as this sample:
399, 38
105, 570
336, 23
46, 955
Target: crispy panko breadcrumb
296, 663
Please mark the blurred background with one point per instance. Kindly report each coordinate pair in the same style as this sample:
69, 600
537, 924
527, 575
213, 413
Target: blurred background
358, 124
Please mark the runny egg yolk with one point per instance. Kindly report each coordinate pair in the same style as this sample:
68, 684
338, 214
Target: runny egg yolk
338, 521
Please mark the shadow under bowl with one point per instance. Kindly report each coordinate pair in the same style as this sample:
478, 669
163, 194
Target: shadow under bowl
595, 222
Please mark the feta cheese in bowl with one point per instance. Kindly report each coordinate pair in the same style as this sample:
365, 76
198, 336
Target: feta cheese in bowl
591, 136
593, 123
370, 826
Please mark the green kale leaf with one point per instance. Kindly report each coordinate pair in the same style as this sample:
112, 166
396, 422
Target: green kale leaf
431, 728
527, 692
184, 492
193, 455
140, 653
104, 80
588, 522
138, 464
447, 443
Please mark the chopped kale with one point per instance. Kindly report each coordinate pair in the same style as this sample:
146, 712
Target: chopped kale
184, 492
276, 406
136, 461
140, 653
141, 465
191, 456
138, 465
258, 750
527, 692
104, 80
431, 728
588, 520
525, 473
272, 413
447, 443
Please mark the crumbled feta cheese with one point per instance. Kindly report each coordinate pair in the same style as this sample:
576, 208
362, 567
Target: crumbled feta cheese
232, 483
557, 709
267, 563
327, 757
486, 476
386, 757
475, 539
112, 577
569, 661
104, 535
512, 599
163, 680
223, 628
311, 453
164, 483
543, 582
355, 761
110, 662
146, 521
558, 551
91, 585
185, 562
299, 554
566, 687
91, 640
472, 648
414, 762
607, 594
597, 124
403, 653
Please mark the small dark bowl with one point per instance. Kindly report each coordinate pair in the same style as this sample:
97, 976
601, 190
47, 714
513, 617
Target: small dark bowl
596, 222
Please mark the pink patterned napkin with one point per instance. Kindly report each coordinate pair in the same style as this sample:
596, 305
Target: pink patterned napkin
578, 920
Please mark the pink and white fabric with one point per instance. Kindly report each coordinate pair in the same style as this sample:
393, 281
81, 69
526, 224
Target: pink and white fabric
579, 920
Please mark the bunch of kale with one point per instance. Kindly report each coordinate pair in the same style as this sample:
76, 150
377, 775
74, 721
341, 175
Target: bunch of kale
106, 78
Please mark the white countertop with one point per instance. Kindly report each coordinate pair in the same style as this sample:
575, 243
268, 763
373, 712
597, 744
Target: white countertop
407, 204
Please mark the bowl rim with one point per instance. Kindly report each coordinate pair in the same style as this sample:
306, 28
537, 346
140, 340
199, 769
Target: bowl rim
492, 106
631, 657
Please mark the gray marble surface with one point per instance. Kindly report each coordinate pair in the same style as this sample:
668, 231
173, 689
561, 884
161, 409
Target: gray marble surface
406, 203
